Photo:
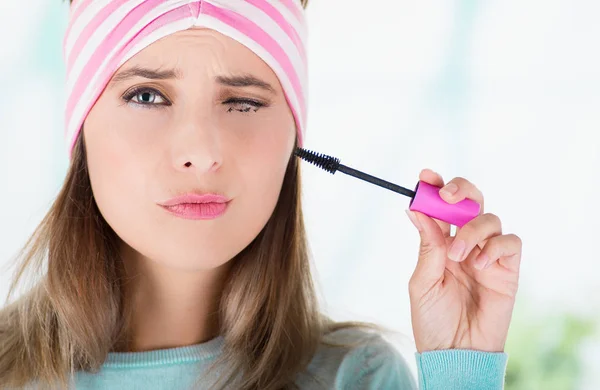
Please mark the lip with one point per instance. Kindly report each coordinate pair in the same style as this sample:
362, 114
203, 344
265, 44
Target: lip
195, 198
196, 206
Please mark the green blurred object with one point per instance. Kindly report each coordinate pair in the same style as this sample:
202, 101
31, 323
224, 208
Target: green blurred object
544, 352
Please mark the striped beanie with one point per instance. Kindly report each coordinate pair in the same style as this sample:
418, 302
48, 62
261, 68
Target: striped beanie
103, 34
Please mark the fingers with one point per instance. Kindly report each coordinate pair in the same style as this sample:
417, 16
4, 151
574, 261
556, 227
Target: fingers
484, 232
431, 177
474, 232
432, 251
452, 192
504, 250
460, 188
434, 178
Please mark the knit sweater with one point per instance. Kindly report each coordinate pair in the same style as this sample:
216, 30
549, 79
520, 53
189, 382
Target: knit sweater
374, 364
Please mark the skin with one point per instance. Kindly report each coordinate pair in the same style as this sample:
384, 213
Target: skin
144, 152
140, 155
463, 301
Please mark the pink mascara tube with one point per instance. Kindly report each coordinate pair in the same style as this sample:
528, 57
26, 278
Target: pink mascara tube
425, 198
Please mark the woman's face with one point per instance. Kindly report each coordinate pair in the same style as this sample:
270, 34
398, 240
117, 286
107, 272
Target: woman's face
215, 121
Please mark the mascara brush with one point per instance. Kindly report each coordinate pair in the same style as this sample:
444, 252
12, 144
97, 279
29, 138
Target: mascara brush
425, 198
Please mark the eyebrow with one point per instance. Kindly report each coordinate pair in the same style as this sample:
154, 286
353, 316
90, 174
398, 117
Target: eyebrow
152, 74
242, 80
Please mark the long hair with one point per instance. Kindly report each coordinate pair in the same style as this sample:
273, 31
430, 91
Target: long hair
75, 312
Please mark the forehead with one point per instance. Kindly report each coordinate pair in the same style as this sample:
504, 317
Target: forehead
201, 48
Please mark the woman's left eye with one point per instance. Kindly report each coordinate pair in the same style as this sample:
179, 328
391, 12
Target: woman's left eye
243, 105
146, 97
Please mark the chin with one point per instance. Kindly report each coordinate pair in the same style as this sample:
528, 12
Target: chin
194, 255
190, 262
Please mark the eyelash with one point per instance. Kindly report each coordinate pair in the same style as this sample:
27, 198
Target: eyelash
251, 104
128, 97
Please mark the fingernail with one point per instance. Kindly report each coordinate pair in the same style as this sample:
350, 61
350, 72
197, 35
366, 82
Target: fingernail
457, 250
414, 219
482, 262
430, 170
450, 189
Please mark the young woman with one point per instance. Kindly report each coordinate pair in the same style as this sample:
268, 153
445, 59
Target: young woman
175, 256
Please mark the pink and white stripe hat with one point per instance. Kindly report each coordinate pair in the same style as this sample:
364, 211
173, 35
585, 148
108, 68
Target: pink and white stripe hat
103, 34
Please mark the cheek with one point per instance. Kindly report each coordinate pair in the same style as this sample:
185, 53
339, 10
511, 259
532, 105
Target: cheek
116, 183
262, 171
116, 170
268, 131
128, 131
271, 152
113, 173
120, 141
111, 153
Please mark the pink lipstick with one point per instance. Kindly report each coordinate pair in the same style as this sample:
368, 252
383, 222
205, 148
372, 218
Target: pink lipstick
195, 206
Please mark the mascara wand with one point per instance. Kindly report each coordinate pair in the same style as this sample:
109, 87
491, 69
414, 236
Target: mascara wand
425, 198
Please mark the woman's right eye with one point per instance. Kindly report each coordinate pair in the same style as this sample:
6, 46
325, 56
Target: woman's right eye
145, 96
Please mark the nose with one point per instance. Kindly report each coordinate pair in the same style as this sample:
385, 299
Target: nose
197, 147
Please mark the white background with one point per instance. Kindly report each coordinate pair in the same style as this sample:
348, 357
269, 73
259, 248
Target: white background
504, 93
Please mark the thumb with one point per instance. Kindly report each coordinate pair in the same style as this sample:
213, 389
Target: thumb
432, 252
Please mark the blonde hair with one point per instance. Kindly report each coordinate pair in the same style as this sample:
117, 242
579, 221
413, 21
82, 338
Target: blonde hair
75, 313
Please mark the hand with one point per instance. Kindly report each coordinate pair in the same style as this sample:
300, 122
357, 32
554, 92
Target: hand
463, 302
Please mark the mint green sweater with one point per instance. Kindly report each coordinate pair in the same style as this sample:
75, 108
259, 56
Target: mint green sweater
376, 364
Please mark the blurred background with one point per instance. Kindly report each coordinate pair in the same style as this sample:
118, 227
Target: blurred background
502, 92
